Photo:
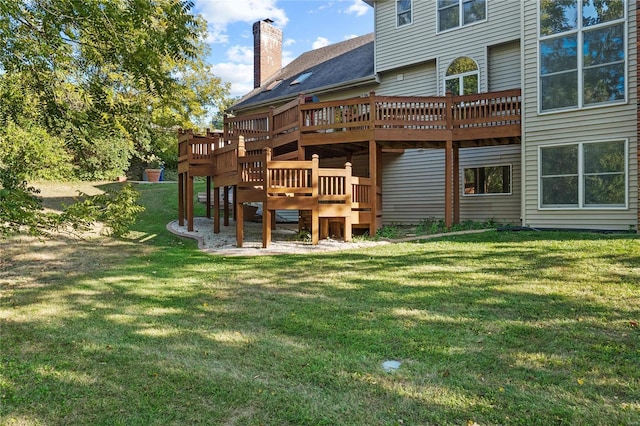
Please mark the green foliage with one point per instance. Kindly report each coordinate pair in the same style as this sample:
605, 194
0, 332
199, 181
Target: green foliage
31, 153
21, 210
111, 78
101, 158
389, 232
116, 209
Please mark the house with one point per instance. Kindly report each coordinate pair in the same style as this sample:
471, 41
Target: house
518, 112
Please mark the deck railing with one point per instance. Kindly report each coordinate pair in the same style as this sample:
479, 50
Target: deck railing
493, 109
486, 109
197, 149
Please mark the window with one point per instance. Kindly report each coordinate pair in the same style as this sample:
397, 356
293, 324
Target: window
458, 13
582, 53
487, 180
584, 175
462, 77
301, 78
403, 11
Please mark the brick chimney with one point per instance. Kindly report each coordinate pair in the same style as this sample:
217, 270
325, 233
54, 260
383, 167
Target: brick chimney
267, 51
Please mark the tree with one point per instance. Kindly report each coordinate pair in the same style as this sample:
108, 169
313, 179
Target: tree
89, 84
110, 77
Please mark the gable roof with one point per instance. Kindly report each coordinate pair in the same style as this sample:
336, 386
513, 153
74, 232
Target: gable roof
331, 66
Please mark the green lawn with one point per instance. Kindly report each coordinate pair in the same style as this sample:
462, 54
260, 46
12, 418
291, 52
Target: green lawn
493, 328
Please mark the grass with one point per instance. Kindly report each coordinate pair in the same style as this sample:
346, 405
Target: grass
493, 328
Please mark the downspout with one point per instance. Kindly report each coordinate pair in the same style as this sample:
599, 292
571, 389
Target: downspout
638, 115
523, 165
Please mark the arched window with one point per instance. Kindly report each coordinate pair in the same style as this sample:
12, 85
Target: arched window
462, 77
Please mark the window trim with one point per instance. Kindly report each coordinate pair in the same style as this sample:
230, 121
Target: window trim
579, 31
460, 16
411, 10
491, 194
581, 206
446, 78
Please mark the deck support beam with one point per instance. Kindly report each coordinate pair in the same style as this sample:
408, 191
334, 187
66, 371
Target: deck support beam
189, 199
373, 174
208, 197
451, 184
216, 210
181, 199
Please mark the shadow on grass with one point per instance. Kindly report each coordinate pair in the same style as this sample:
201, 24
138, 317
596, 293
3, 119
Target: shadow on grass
498, 328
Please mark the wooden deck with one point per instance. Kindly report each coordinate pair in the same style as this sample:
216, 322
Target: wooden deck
272, 157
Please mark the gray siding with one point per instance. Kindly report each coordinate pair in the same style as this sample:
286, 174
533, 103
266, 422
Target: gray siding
420, 42
418, 80
413, 186
604, 123
504, 66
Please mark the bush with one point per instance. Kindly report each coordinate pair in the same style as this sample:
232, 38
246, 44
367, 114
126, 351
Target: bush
31, 153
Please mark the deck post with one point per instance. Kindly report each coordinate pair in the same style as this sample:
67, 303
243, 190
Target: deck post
456, 183
448, 184
216, 210
181, 199
239, 224
372, 110
373, 174
267, 214
315, 214
348, 189
241, 152
226, 205
189, 197
270, 123
208, 197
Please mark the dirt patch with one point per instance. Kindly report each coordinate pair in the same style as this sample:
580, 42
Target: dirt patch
283, 239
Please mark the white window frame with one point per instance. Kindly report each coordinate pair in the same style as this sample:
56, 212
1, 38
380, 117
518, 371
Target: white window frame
491, 194
580, 32
460, 76
581, 174
460, 17
398, 14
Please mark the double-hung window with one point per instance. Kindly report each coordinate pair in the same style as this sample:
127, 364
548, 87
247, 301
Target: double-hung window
458, 13
582, 53
403, 12
584, 175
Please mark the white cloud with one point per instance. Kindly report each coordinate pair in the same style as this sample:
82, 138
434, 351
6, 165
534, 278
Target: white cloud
220, 13
358, 7
240, 54
239, 75
289, 42
350, 36
216, 37
320, 42
287, 57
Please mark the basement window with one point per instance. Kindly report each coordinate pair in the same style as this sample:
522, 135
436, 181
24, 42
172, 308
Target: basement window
490, 180
301, 78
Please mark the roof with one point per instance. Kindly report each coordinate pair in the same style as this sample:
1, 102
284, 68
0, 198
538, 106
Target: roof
334, 65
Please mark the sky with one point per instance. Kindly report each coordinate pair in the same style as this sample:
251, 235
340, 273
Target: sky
306, 25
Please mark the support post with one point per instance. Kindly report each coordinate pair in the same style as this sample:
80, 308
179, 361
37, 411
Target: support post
189, 198
456, 183
448, 184
348, 187
373, 174
208, 201
315, 213
181, 199
267, 213
226, 205
239, 224
216, 210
